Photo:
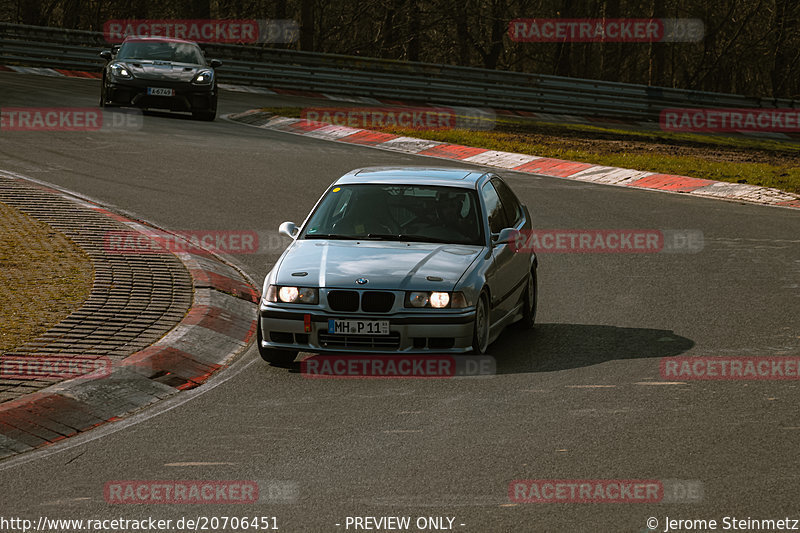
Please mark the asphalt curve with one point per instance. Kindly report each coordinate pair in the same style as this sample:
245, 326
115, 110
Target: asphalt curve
581, 397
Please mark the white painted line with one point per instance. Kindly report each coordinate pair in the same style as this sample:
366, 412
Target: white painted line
198, 463
660, 383
590, 386
500, 159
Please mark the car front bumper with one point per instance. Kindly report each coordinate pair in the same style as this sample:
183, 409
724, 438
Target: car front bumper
417, 333
187, 96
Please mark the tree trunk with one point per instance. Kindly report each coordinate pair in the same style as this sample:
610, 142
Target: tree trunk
307, 25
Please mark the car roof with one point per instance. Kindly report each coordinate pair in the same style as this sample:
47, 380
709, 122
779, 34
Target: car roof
465, 178
152, 38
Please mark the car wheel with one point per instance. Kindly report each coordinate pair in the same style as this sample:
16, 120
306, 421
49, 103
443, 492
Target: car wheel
208, 115
529, 302
480, 333
271, 355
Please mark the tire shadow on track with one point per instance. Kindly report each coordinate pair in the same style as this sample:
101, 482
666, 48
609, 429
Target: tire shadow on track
553, 347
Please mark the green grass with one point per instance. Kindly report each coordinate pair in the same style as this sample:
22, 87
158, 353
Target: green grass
734, 158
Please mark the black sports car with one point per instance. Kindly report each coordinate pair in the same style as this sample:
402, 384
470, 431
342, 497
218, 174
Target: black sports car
160, 73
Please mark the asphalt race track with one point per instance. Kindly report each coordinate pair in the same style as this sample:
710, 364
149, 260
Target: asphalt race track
581, 397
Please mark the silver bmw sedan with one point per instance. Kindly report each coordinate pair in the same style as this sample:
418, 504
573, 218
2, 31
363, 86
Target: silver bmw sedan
400, 260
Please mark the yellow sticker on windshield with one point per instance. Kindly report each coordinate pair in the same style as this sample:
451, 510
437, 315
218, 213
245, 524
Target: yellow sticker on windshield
337, 189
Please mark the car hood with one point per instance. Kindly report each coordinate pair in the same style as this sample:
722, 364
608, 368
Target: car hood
387, 265
163, 70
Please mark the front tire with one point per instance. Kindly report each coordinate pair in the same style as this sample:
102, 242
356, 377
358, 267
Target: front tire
103, 94
480, 332
530, 302
271, 355
205, 115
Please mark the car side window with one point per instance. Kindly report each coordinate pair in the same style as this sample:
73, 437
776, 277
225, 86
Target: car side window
513, 208
494, 208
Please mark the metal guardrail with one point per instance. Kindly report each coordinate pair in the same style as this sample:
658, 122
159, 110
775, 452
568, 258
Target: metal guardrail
382, 78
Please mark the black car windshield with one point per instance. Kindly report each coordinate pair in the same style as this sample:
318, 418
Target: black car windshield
162, 51
410, 213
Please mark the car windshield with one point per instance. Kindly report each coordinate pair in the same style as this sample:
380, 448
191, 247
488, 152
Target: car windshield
162, 51
412, 213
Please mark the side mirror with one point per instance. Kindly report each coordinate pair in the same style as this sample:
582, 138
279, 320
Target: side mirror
289, 229
505, 236
215, 63
106, 54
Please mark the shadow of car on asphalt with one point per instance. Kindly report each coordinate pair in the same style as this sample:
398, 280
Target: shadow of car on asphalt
551, 347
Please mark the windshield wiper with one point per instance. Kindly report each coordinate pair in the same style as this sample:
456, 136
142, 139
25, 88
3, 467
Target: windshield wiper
332, 236
403, 237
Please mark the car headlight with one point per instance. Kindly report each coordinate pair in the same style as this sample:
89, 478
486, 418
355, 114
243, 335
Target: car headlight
436, 300
204, 77
292, 295
118, 70
439, 299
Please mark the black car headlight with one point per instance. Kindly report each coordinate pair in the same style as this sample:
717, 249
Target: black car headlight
436, 299
118, 70
292, 295
204, 77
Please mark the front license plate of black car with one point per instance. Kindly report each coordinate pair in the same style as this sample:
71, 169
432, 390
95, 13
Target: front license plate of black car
160, 91
358, 327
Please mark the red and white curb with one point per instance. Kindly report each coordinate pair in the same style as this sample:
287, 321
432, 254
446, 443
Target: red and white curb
530, 164
219, 325
485, 115
53, 72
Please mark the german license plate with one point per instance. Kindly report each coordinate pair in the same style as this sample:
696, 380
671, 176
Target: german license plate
160, 91
358, 327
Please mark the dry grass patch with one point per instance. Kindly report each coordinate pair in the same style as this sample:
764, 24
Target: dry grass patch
44, 277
